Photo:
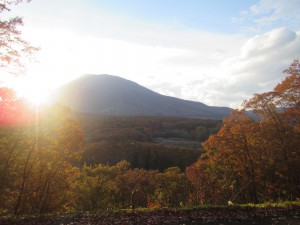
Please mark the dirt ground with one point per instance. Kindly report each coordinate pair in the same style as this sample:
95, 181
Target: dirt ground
212, 216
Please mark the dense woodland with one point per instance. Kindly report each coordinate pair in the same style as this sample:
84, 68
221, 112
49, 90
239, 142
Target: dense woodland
145, 142
49, 160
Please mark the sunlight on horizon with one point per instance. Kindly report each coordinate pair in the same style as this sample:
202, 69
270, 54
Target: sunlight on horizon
213, 65
35, 90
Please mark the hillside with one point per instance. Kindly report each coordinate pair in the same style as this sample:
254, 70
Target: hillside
112, 95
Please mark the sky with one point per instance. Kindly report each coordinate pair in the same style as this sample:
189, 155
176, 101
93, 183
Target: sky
219, 52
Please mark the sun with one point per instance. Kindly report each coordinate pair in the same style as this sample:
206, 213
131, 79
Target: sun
35, 91
35, 96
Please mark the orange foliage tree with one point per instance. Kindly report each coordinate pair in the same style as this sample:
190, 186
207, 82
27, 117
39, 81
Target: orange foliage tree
256, 160
36, 163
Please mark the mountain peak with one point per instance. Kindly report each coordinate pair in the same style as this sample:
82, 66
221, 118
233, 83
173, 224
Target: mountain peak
112, 95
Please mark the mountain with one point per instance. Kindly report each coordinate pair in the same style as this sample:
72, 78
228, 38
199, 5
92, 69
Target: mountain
112, 95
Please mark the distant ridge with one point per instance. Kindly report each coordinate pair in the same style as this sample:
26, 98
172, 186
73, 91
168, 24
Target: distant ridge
113, 95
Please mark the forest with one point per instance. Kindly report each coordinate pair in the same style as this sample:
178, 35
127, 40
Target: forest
49, 161
56, 161
145, 142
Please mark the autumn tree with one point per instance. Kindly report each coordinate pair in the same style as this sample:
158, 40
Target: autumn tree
100, 187
37, 148
14, 53
14, 50
232, 152
205, 184
172, 188
256, 160
13, 111
92, 187
15, 116
36, 165
279, 111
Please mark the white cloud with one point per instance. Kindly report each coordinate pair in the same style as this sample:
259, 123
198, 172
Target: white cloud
213, 68
268, 43
98, 42
270, 14
273, 10
262, 60
257, 68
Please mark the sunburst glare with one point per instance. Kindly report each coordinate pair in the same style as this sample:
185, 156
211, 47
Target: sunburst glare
34, 90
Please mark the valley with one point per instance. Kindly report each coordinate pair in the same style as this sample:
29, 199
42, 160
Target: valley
144, 141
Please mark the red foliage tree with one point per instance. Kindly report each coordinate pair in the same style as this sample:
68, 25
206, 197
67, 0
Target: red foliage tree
14, 111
